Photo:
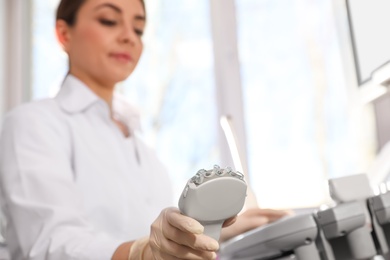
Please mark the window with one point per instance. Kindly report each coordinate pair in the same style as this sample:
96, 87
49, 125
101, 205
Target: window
174, 87
49, 61
303, 124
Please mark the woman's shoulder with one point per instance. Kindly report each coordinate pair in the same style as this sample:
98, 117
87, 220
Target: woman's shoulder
34, 113
35, 124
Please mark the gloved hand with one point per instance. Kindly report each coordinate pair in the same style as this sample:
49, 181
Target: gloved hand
175, 236
250, 219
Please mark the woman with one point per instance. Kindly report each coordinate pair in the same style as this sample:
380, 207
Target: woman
76, 183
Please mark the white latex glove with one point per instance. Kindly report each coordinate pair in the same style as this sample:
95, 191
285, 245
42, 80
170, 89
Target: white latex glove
174, 236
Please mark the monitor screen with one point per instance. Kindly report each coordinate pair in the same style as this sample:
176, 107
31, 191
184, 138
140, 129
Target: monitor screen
369, 22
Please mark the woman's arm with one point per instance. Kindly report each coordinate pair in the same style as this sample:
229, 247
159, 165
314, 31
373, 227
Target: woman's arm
122, 252
42, 202
173, 236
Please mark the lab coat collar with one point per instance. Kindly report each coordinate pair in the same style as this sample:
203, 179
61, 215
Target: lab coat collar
75, 97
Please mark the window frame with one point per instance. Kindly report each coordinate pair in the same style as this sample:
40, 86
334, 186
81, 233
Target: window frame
2, 61
17, 54
228, 81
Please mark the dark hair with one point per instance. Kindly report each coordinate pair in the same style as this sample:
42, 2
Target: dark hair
68, 9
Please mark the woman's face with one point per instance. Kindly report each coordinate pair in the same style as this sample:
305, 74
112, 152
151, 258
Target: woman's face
105, 43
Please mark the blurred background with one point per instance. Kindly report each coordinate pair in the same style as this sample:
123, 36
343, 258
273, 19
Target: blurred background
284, 71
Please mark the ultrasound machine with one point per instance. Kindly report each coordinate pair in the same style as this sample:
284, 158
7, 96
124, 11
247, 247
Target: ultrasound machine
356, 227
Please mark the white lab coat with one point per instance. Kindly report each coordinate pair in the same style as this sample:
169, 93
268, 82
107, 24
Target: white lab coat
72, 186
